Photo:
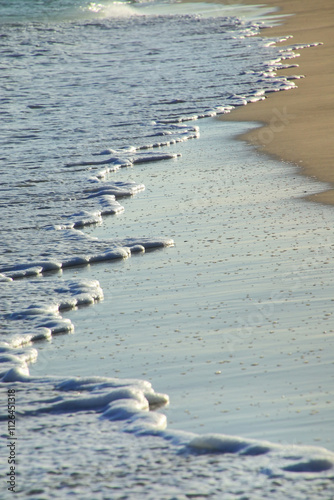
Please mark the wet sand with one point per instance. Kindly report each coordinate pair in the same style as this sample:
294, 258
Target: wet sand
299, 124
235, 321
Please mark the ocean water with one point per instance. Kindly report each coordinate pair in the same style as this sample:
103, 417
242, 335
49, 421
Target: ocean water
94, 98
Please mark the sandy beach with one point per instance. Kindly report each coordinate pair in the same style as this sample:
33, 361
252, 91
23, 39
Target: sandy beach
299, 124
234, 322
166, 326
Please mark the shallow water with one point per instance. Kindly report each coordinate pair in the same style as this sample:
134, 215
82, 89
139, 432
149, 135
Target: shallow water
98, 105
220, 318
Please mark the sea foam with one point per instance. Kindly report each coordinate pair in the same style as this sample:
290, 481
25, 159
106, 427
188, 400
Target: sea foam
61, 179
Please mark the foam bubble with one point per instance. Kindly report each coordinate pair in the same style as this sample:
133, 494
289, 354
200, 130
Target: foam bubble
319, 464
229, 444
114, 190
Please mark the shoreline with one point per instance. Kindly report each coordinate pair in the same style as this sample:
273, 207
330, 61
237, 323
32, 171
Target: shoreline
210, 320
296, 126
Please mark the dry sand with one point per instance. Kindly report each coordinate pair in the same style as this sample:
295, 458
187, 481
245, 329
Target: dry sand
300, 123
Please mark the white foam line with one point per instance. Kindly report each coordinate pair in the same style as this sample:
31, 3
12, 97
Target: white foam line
133, 403
120, 249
